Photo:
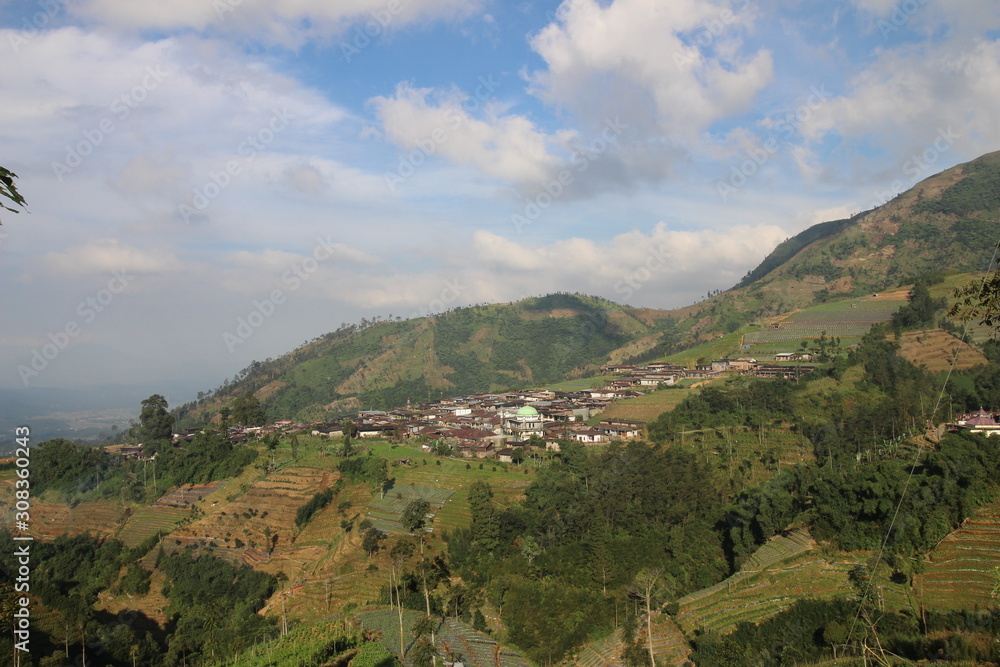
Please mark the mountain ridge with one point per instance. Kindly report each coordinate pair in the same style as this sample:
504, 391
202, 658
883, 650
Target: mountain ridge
943, 223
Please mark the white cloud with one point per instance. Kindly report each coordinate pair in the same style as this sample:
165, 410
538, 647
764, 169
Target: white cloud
917, 102
508, 147
678, 67
289, 23
105, 256
661, 268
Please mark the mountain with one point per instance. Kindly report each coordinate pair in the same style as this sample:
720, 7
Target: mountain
945, 223
383, 364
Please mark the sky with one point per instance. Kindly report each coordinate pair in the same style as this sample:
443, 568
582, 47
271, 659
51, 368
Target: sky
211, 182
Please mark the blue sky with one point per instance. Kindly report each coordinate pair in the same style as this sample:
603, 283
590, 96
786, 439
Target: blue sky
212, 183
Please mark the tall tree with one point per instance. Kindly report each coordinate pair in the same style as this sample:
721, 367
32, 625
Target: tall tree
646, 586
155, 422
248, 411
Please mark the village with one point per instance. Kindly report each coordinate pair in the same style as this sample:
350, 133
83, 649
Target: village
505, 426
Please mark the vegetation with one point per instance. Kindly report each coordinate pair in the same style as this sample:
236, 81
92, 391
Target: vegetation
8, 191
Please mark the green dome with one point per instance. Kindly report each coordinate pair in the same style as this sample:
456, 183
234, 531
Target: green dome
527, 411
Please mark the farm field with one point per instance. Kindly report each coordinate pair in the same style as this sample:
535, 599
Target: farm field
148, 521
936, 349
455, 639
648, 407
254, 527
959, 572
50, 520
781, 572
848, 320
669, 646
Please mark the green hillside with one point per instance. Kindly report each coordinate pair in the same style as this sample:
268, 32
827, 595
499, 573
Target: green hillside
382, 364
945, 224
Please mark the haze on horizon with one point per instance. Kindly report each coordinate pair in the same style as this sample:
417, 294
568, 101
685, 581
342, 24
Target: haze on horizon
190, 166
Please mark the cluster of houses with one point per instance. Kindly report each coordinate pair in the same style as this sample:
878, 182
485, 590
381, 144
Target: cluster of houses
504, 425
495, 425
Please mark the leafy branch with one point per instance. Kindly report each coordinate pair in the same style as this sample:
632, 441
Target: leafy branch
9, 191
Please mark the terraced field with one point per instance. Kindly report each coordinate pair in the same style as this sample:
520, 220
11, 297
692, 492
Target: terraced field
386, 513
454, 639
188, 494
937, 349
781, 572
959, 572
669, 646
846, 320
148, 521
50, 520
251, 526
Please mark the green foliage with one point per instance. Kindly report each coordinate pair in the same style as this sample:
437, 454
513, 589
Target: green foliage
318, 502
371, 469
979, 299
373, 654
794, 636
413, 518
756, 403
248, 411
791, 247
8, 191
920, 311
68, 468
214, 606
979, 190
155, 422
135, 581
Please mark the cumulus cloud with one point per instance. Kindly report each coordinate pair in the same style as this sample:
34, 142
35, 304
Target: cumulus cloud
678, 67
508, 147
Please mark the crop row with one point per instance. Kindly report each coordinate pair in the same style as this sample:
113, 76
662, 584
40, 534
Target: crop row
797, 332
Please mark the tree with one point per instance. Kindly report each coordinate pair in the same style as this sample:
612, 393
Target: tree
248, 411
155, 422
646, 586
414, 518
371, 541
9, 191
